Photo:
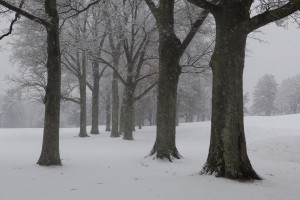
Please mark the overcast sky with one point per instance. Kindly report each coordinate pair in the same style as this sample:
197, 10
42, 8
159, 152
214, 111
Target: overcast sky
279, 55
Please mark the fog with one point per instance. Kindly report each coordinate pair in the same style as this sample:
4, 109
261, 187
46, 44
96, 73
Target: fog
277, 54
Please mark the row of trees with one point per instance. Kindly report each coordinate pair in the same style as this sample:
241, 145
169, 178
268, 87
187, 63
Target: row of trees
233, 20
271, 98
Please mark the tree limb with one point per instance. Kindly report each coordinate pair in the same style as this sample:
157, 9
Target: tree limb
17, 16
270, 16
196, 25
30, 16
145, 92
210, 6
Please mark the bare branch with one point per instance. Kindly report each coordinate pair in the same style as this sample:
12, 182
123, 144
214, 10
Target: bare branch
270, 16
30, 16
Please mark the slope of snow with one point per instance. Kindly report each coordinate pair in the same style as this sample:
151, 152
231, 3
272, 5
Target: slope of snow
106, 168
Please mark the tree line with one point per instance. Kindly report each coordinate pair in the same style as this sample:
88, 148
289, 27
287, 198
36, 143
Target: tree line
271, 98
148, 43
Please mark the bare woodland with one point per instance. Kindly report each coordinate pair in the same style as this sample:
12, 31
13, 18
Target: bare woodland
130, 63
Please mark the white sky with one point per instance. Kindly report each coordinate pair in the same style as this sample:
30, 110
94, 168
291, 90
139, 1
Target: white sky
280, 56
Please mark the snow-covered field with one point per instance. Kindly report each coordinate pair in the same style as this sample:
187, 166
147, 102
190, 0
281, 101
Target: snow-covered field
106, 168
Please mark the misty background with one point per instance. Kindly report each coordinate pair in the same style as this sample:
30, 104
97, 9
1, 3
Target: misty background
277, 53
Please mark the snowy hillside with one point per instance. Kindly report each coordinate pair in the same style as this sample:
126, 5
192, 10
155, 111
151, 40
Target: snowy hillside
105, 168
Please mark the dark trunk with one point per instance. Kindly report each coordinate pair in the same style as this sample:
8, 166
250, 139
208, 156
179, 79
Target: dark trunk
169, 71
50, 149
82, 85
177, 111
227, 153
140, 118
115, 107
128, 105
133, 117
108, 111
122, 120
128, 116
95, 99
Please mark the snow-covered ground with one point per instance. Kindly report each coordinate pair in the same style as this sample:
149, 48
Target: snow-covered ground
107, 168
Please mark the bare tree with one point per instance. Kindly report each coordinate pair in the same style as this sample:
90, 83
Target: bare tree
49, 19
171, 50
227, 153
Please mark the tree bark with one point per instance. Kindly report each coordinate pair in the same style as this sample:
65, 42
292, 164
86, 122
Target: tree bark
95, 99
227, 153
115, 107
82, 85
50, 149
169, 71
128, 113
108, 111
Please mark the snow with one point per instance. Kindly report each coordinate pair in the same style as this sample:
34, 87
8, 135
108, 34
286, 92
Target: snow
100, 167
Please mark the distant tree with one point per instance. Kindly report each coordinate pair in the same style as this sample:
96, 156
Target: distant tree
264, 95
12, 110
288, 96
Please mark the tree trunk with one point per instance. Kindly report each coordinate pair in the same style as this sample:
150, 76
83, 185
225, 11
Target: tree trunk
95, 99
169, 71
177, 111
128, 115
227, 153
122, 120
133, 117
50, 149
108, 111
82, 85
140, 120
115, 107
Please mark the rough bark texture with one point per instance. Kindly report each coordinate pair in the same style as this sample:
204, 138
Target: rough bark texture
95, 99
50, 149
169, 71
227, 153
128, 111
115, 107
82, 85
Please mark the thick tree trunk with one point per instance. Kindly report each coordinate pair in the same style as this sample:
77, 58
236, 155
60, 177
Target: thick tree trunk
227, 153
82, 85
95, 99
169, 71
115, 107
133, 117
50, 149
108, 111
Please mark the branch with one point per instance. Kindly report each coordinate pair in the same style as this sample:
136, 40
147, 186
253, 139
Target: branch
77, 12
210, 6
25, 14
152, 7
75, 100
270, 16
145, 92
143, 77
17, 16
196, 25
110, 66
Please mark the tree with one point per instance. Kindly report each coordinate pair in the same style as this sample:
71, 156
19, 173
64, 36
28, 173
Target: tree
50, 148
288, 96
227, 152
170, 50
264, 95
